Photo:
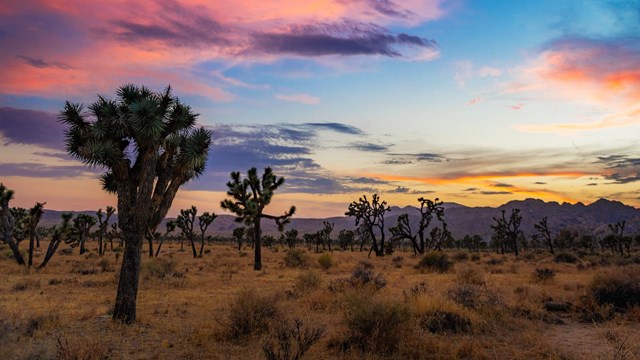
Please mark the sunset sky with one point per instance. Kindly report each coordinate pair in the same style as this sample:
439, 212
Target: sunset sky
474, 102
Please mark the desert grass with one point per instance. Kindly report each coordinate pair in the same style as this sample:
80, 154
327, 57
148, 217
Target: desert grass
487, 306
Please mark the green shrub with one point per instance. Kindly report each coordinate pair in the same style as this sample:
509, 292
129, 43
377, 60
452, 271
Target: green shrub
620, 289
565, 257
325, 260
296, 258
251, 313
375, 325
436, 261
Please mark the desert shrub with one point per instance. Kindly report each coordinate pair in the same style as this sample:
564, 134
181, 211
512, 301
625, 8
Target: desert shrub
159, 268
473, 296
296, 258
34, 324
82, 349
251, 313
105, 265
364, 275
26, 284
542, 275
291, 340
375, 325
326, 261
495, 261
443, 321
470, 276
436, 261
415, 290
307, 281
460, 256
475, 257
566, 257
398, 261
620, 289
590, 311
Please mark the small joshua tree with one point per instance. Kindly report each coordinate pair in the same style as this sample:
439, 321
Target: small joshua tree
35, 214
185, 222
249, 197
103, 226
204, 221
6, 196
171, 226
543, 232
508, 229
428, 209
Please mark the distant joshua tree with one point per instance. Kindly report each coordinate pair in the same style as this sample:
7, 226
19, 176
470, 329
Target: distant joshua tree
371, 215
6, 196
428, 209
103, 226
171, 226
148, 144
508, 229
249, 197
204, 221
543, 232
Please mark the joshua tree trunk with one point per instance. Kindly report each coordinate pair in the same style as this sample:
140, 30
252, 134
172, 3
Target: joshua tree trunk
257, 265
193, 246
53, 246
159, 246
125, 307
7, 223
31, 245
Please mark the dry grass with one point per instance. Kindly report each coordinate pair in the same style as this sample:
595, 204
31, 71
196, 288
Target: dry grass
488, 307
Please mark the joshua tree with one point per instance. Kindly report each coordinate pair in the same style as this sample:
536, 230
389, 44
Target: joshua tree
402, 230
171, 226
249, 197
204, 221
6, 196
291, 238
371, 215
619, 238
60, 233
185, 222
543, 232
35, 214
238, 234
103, 225
346, 238
508, 229
148, 144
82, 225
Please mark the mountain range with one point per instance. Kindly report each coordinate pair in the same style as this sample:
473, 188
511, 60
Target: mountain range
461, 219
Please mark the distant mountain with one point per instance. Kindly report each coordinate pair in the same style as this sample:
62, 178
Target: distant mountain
461, 219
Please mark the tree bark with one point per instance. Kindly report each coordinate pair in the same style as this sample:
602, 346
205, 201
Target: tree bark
125, 307
257, 264
53, 246
7, 223
31, 245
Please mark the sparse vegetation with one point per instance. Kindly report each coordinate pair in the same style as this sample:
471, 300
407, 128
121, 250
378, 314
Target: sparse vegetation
437, 261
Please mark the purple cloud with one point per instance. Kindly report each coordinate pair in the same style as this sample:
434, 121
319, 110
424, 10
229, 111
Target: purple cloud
32, 127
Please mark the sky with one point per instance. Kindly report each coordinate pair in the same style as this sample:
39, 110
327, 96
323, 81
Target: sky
473, 102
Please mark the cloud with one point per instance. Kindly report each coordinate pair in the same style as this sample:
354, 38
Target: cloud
31, 127
618, 161
346, 38
474, 101
488, 71
494, 193
41, 63
337, 127
300, 98
46, 171
502, 185
368, 147
422, 156
618, 178
540, 183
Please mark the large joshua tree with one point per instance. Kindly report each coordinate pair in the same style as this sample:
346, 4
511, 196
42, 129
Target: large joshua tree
249, 197
148, 144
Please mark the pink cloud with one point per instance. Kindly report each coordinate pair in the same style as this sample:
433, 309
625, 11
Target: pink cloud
474, 101
300, 98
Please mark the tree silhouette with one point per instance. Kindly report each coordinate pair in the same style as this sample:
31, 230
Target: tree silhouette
103, 225
508, 229
543, 232
371, 215
402, 230
35, 214
185, 222
6, 196
148, 144
249, 197
171, 226
204, 221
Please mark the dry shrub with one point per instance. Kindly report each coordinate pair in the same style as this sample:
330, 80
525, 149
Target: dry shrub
105, 265
415, 290
475, 257
82, 349
159, 268
398, 261
26, 284
291, 340
566, 257
362, 277
460, 256
251, 313
375, 325
40, 322
326, 261
620, 289
543, 275
470, 276
436, 261
295, 258
442, 316
495, 261
306, 282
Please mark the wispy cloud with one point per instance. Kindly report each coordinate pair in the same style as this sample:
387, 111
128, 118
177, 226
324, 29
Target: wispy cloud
299, 98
